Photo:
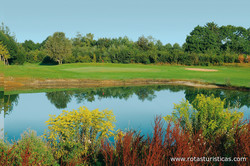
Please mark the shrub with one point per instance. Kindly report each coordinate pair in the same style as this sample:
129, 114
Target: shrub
83, 59
247, 59
77, 134
241, 58
230, 58
206, 114
30, 150
48, 61
131, 148
7, 154
241, 147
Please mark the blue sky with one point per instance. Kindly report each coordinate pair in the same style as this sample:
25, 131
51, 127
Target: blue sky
167, 20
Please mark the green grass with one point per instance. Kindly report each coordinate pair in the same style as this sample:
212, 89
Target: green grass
233, 75
12, 92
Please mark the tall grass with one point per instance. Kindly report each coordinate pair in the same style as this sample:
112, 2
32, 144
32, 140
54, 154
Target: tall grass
165, 144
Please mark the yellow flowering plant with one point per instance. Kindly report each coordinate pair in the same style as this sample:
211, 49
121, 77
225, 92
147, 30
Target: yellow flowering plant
208, 115
79, 132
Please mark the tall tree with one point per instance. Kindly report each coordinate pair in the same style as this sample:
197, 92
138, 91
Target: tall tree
29, 45
58, 47
11, 46
235, 38
203, 39
4, 53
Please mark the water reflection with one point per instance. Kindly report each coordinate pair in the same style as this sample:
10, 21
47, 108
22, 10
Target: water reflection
60, 99
1, 115
133, 106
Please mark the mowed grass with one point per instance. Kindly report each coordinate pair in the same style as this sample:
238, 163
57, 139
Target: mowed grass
237, 76
111, 69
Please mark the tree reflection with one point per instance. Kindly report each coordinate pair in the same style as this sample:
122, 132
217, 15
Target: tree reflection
1, 100
8, 102
232, 98
59, 99
62, 98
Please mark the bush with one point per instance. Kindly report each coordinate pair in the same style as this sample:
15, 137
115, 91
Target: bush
30, 150
20, 57
83, 137
48, 61
241, 58
230, 58
131, 148
248, 59
83, 59
208, 115
33, 150
77, 134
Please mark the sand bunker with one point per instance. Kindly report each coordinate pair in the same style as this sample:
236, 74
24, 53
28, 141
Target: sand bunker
198, 69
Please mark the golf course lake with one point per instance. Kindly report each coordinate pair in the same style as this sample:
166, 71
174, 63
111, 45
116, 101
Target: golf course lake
134, 107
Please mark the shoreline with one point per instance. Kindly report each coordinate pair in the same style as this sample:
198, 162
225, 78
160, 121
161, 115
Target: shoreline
11, 83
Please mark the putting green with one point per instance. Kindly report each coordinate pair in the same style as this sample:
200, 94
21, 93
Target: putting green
110, 69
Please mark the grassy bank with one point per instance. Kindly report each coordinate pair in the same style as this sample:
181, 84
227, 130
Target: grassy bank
229, 75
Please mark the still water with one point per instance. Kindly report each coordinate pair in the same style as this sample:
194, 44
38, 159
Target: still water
134, 107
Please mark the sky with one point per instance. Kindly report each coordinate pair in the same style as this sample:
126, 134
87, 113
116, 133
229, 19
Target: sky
167, 20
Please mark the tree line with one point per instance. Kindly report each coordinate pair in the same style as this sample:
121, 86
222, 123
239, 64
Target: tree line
205, 45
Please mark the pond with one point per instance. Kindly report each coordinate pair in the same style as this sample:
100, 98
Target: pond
134, 107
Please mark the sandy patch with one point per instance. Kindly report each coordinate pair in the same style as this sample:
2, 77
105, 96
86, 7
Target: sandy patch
199, 69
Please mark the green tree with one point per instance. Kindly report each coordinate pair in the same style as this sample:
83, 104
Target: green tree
143, 43
29, 45
168, 47
4, 53
11, 46
202, 39
58, 47
235, 38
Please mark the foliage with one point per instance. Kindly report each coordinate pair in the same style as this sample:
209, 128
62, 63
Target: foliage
4, 54
78, 133
58, 47
202, 39
241, 58
248, 59
9, 41
128, 148
242, 139
208, 115
205, 45
30, 150
29, 45
165, 144
36, 150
